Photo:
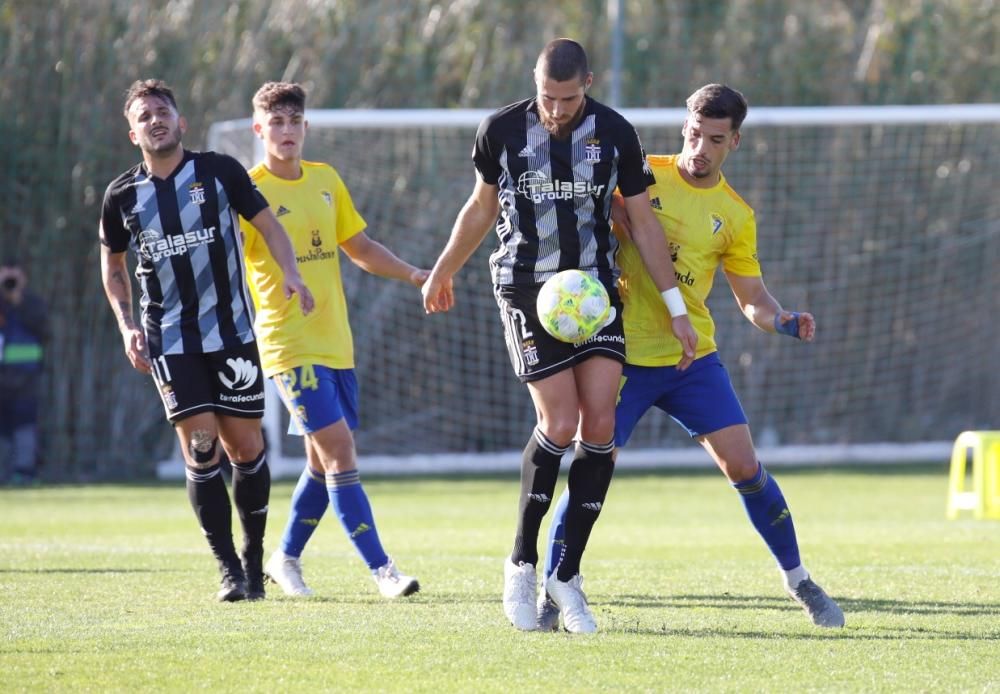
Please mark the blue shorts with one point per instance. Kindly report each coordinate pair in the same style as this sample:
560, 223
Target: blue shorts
701, 398
317, 396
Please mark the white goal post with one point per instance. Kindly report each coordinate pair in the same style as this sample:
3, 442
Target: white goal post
883, 221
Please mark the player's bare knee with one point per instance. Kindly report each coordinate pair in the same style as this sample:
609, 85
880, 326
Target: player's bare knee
598, 429
203, 448
244, 449
560, 431
242, 454
337, 466
738, 470
339, 458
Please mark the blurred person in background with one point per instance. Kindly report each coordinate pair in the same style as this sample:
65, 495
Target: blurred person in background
178, 210
23, 332
311, 357
707, 226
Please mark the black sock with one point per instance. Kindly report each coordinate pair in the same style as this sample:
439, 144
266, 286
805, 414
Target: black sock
207, 492
539, 473
251, 491
589, 479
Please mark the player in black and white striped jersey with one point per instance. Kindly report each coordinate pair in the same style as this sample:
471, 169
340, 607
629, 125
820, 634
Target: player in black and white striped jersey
548, 167
177, 210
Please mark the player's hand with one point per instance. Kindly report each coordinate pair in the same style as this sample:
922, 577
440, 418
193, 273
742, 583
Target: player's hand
619, 216
685, 334
805, 324
294, 285
438, 293
419, 276
135, 350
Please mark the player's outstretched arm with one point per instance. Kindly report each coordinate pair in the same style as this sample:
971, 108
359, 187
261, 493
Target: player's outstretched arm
371, 256
280, 246
114, 276
473, 222
648, 236
764, 311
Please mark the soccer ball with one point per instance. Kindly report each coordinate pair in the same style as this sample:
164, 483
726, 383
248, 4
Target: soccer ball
573, 306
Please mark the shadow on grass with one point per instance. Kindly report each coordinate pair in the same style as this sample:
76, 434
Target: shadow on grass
781, 603
419, 598
611, 624
636, 625
92, 571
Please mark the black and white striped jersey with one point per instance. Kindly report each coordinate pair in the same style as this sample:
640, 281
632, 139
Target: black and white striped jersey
186, 236
555, 193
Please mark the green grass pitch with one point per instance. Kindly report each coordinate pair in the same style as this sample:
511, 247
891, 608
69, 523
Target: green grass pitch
110, 588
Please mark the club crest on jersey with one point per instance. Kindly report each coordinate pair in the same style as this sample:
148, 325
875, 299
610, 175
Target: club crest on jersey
169, 396
716, 223
328, 197
592, 151
316, 240
197, 192
536, 186
530, 352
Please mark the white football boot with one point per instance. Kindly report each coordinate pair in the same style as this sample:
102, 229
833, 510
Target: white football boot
519, 594
286, 571
820, 607
573, 603
392, 584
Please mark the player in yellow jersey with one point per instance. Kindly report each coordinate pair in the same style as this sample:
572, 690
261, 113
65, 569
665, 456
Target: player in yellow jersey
707, 225
311, 357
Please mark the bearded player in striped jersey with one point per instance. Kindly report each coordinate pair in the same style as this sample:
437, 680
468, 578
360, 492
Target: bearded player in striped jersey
177, 210
547, 166
707, 225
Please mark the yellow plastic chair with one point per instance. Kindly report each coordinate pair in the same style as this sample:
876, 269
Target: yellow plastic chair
984, 497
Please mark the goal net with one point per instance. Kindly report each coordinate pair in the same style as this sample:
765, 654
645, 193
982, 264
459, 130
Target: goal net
881, 221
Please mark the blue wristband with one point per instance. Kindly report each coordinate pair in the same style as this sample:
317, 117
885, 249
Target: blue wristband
791, 328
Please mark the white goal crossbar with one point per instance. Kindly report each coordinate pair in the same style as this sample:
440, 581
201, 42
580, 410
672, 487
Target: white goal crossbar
787, 116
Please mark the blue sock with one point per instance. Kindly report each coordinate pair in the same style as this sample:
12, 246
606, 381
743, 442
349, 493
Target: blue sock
309, 502
766, 507
557, 534
351, 505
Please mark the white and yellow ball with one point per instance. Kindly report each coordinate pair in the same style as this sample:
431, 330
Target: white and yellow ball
573, 306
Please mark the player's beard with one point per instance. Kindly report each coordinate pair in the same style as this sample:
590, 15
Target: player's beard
695, 172
167, 145
562, 130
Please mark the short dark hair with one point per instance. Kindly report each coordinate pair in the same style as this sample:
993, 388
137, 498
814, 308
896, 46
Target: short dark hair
563, 60
274, 95
149, 87
719, 101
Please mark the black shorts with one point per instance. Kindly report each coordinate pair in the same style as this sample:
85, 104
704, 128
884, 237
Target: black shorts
228, 382
534, 353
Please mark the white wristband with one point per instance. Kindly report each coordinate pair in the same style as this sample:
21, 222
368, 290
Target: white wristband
675, 302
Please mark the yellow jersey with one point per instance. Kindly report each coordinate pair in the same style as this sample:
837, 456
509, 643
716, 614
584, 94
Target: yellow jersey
318, 214
705, 228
